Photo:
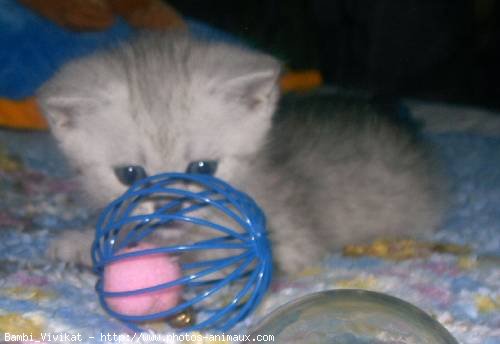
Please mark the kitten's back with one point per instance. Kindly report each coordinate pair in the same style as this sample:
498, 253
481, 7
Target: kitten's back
356, 172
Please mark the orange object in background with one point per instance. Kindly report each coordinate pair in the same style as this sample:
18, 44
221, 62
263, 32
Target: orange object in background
301, 80
99, 15
21, 114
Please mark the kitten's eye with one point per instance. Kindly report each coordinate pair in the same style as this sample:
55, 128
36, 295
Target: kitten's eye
203, 167
128, 175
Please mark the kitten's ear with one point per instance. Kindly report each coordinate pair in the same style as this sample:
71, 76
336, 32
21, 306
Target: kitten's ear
60, 110
258, 87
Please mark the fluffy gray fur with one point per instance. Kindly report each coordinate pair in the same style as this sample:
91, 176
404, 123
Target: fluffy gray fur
326, 175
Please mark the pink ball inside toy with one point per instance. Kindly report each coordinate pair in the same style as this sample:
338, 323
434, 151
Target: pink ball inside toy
144, 271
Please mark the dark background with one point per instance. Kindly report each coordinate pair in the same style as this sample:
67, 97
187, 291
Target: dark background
444, 50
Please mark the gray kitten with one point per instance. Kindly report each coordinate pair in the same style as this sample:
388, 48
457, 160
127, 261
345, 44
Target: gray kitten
326, 173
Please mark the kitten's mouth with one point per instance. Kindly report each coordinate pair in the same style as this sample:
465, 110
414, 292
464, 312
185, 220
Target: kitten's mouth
174, 225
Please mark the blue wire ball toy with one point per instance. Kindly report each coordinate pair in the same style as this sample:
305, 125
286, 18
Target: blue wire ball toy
222, 291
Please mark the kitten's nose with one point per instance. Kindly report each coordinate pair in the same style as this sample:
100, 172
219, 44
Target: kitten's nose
172, 206
169, 207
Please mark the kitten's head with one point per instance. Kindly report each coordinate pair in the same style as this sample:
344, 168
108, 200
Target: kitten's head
161, 103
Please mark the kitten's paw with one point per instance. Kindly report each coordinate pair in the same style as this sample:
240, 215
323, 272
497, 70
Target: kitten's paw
72, 246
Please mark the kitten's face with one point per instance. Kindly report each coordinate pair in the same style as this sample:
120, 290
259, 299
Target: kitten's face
160, 104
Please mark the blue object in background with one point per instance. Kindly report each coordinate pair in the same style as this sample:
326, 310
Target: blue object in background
33, 48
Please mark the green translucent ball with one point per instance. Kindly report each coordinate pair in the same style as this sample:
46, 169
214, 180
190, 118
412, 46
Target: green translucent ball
354, 317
